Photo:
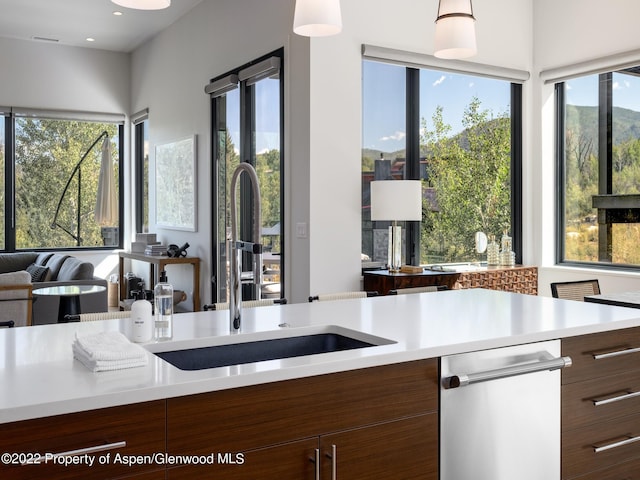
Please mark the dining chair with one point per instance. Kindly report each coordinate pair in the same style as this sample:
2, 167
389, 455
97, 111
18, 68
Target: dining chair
428, 288
265, 302
341, 296
16, 298
576, 290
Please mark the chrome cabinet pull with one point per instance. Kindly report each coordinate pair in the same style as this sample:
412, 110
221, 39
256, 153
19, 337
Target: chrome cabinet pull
605, 401
82, 451
621, 443
316, 460
617, 353
332, 456
334, 462
456, 381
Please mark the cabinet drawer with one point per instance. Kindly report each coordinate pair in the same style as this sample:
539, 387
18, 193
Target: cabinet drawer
579, 454
600, 400
601, 354
141, 426
623, 471
257, 416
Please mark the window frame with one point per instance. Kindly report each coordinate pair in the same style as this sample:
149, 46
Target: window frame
10, 184
247, 129
604, 157
412, 246
140, 128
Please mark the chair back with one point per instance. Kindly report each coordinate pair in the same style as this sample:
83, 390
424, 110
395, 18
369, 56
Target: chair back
247, 304
428, 288
575, 290
91, 317
341, 296
16, 298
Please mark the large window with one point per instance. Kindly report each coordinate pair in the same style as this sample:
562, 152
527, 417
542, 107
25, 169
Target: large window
457, 133
247, 120
66, 175
599, 168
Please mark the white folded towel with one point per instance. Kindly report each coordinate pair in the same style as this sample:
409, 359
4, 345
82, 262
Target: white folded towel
108, 351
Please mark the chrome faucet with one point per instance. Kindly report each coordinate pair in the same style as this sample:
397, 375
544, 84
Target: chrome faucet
238, 246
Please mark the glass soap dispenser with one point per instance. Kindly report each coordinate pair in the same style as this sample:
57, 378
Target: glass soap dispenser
163, 299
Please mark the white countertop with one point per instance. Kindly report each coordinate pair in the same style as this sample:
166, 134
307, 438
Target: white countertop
39, 377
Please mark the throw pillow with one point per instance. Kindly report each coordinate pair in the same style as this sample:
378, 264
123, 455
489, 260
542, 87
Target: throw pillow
38, 272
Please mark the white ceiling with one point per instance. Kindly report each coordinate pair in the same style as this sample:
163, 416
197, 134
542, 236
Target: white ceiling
70, 22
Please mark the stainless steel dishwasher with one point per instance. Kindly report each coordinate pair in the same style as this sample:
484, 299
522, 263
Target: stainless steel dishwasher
500, 413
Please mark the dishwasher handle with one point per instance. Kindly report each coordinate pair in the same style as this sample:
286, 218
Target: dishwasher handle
456, 381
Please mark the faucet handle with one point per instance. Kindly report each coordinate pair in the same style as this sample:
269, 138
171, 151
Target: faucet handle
255, 248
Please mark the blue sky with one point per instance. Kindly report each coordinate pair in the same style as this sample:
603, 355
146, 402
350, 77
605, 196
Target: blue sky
583, 91
384, 125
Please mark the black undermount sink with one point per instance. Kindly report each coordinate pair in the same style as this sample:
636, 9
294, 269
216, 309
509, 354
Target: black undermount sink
259, 351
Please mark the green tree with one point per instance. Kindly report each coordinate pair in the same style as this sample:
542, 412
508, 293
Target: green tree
46, 152
470, 174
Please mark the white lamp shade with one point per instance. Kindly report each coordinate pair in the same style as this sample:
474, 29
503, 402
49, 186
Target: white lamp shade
317, 18
396, 200
455, 30
143, 4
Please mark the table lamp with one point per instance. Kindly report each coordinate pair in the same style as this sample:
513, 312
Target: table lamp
396, 200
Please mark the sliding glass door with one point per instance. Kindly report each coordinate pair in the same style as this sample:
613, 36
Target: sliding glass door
247, 107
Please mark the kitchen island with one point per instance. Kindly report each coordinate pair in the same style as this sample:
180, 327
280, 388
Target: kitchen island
40, 379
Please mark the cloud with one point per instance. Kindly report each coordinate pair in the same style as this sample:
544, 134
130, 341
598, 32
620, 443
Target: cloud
395, 136
471, 84
616, 86
439, 81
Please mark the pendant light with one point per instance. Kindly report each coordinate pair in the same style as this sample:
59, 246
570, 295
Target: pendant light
455, 30
143, 4
317, 18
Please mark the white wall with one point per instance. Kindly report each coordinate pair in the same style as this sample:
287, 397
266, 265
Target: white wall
168, 77
566, 33
40, 75
336, 131
323, 110
57, 77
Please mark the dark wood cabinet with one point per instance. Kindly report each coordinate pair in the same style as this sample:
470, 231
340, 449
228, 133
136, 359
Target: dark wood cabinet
382, 420
601, 406
404, 449
137, 429
518, 279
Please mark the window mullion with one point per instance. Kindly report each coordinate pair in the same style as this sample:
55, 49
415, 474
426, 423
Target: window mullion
412, 167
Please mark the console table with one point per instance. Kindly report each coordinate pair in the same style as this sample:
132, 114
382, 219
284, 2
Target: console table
518, 279
157, 263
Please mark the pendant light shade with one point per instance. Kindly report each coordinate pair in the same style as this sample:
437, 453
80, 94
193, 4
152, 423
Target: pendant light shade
143, 4
455, 30
317, 18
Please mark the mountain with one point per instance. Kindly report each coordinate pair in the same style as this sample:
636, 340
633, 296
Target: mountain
626, 123
626, 126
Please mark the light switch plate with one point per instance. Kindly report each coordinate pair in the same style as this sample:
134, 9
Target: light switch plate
301, 230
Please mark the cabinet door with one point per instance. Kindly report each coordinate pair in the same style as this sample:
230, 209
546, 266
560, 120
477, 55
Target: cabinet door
95, 435
291, 461
404, 449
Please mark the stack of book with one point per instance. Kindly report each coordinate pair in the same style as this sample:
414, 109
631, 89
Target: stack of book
155, 249
145, 240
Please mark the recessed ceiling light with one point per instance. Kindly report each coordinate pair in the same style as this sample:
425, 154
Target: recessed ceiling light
90, 39
143, 4
117, 13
